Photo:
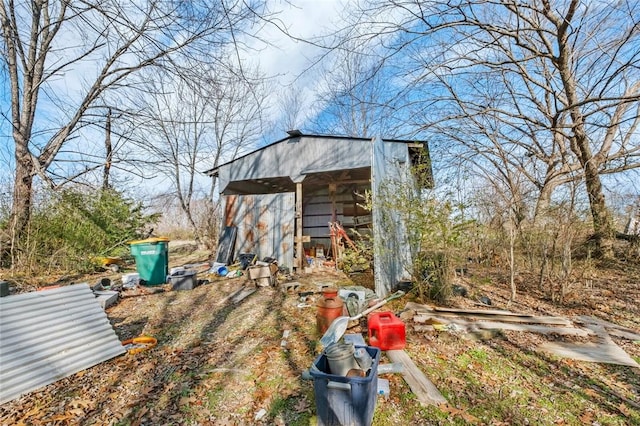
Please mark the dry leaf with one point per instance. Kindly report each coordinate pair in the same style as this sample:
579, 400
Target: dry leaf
187, 400
301, 406
457, 412
33, 412
76, 412
140, 414
586, 417
455, 380
469, 418
624, 409
62, 417
84, 403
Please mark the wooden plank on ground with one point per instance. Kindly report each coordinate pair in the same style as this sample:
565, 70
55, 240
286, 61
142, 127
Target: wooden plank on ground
470, 326
239, 294
533, 328
494, 315
246, 292
517, 319
604, 351
420, 385
613, 329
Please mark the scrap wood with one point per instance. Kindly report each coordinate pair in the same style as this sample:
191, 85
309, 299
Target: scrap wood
243, 294
604, 351
238, 295
285, 336
337, 232
471, 326
420, 385
476, 311
484, 314
613, 329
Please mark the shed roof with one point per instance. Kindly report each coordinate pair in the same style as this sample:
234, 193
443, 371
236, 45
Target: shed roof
298, 135
278, 166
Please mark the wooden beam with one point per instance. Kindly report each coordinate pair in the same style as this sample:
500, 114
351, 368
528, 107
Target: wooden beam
299, 245
332, 195
505, 316
420, 385
243, 294
605, 351
470, 326
612, 328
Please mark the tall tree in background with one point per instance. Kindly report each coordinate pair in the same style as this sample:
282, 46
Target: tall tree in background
290, 106
553, 85
354, 98
198, 118
107, 43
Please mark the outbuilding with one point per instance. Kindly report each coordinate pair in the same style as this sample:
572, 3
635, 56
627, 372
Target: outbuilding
281, 198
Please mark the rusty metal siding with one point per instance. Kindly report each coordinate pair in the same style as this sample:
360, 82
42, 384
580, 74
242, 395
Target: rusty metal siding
51, 334
265, 225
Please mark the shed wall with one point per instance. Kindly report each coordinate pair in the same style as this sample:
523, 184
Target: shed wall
265, 225
392, 252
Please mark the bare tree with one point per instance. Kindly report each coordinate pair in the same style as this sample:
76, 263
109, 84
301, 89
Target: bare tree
554, 83
106, 43
290, 108
194, 121
354, 99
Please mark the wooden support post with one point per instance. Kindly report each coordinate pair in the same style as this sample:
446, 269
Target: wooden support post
332, 195
299, 244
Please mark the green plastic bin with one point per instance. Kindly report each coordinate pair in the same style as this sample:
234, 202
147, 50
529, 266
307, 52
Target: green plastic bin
152, 260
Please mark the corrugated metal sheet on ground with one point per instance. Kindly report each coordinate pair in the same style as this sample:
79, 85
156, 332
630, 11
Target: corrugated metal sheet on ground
51, 334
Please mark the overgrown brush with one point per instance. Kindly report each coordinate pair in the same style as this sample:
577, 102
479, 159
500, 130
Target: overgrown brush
70, 228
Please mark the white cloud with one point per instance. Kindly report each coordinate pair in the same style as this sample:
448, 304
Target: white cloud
303, 20
281, 51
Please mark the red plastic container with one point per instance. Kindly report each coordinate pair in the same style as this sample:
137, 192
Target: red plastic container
386, 331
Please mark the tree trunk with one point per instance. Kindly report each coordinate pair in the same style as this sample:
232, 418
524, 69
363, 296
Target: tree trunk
512, 262
542, 204
602, 222
22, 194
108, 153
604, 232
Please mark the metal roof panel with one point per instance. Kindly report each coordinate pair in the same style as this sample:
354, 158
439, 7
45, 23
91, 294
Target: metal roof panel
51, 334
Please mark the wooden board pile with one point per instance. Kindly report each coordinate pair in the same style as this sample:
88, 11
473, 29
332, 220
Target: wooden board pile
479, 322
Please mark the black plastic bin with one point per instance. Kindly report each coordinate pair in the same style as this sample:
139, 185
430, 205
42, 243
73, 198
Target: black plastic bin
342, 400
184, 280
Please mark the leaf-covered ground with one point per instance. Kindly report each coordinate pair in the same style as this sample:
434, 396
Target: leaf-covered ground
223, 363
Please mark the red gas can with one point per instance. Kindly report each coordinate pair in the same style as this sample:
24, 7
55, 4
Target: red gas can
386, 331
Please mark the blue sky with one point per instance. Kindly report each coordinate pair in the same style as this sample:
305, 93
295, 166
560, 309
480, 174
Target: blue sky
280, 57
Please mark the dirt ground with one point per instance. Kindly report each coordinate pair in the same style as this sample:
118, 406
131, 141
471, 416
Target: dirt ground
219, 362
